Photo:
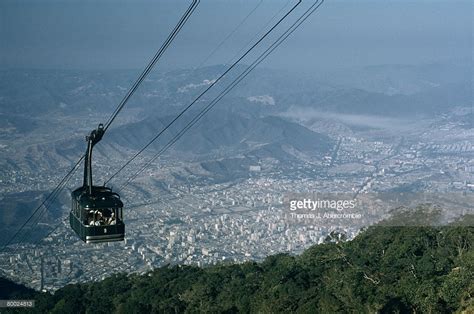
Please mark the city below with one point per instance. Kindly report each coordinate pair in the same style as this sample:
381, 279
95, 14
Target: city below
202, 221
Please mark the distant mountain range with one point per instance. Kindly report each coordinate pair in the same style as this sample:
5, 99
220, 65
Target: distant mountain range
393, 79
368, 90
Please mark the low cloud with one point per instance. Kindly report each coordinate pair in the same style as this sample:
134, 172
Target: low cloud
188, 87
372, 121
263, 99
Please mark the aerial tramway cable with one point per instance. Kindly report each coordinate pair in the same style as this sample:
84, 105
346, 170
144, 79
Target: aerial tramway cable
49, 199
229, 35
53, 195
259, 32
152, 63
205, 91
236, 81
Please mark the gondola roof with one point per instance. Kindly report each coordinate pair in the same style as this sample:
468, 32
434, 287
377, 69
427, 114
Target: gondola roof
101, 197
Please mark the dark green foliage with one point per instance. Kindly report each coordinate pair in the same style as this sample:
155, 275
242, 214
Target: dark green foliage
384, 270
10, 290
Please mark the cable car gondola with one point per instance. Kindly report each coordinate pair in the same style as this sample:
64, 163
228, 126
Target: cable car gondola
97, 212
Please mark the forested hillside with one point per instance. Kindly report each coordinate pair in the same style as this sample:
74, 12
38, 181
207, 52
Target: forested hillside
384, 269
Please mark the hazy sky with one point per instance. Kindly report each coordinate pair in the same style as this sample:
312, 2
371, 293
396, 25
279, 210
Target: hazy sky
125, 34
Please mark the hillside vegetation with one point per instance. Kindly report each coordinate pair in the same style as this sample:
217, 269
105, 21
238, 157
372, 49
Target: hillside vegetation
384, 269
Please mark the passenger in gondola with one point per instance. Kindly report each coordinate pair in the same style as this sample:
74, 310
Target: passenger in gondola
97, 223
112, 220
96, 215
100, 219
